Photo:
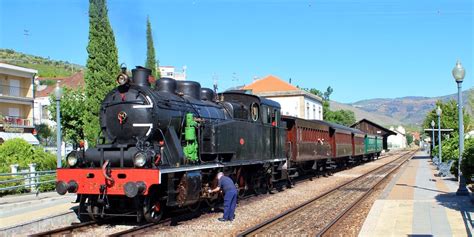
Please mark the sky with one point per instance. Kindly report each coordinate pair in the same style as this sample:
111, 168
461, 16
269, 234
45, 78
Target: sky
363, 49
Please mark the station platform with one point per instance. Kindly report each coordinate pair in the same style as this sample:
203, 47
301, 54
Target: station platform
21, 213
418, 203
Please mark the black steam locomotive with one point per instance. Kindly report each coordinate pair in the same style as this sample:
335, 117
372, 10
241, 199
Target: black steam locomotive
161, 148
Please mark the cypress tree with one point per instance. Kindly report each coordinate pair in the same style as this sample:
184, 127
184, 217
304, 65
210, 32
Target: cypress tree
102, 66
151, 62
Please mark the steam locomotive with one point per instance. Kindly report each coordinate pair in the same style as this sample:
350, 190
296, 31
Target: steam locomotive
160, 148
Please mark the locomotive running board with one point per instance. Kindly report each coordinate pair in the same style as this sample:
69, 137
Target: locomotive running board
218, 165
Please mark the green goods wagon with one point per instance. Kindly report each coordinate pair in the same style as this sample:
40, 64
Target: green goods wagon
370, 144
379, 144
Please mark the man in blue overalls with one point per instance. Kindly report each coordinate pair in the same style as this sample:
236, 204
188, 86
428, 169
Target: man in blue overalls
230, 196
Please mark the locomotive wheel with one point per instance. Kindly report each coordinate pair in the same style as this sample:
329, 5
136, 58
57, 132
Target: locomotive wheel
194, 207
260, 186
88, 204
211, 202
243, 187
152, 210
83, 214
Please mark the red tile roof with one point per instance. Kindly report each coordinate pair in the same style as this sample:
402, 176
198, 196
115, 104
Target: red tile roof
74, 81
269, 83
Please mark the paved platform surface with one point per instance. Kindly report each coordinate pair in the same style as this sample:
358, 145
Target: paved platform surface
19, 210
418, 203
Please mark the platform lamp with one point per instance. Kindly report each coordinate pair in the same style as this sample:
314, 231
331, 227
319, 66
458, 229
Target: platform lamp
58, 92
438, 113
433, 141
458, 74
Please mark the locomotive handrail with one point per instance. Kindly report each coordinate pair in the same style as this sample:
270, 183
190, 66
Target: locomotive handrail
124, 102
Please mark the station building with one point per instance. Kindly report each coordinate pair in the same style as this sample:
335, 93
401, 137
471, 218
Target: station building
16, 103
293, 101
372, 128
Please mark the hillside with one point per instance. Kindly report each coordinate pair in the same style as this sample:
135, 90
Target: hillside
410, 109
46, 67
361, 114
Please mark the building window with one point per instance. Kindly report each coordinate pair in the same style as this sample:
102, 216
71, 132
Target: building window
320, 116
314, 111
44, 112
307, 110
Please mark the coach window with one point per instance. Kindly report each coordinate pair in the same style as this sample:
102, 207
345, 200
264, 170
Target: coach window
254, 111
269, 115
275, 117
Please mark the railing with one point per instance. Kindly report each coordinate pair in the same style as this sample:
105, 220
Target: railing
28, 180
16, 121
15, 91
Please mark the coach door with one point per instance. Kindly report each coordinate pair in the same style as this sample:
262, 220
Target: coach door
275, 132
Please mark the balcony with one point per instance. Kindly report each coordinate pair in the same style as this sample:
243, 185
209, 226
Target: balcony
17, 92
13, 121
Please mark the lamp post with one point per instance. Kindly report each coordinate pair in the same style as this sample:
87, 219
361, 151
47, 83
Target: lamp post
433, 141
438, 112
58, 93
458, 74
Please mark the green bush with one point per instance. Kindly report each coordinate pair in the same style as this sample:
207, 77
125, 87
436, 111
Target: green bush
18, 151
467, 165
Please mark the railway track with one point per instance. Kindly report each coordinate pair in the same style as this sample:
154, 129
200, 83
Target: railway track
318, 215
69, 230
84, 228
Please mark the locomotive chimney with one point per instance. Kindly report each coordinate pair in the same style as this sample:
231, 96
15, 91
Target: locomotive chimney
140, 76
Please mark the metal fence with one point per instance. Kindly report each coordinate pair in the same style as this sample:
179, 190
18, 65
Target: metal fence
29, 180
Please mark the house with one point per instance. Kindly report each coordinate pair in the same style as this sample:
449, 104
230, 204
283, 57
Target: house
16, 103
41, 102
293, 101
171, 72
398, 141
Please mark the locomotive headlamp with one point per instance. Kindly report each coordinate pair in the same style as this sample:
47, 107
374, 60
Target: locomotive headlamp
139, 160
72, 161
122, 79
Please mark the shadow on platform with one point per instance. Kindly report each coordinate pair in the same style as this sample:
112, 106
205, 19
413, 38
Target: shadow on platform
418, 187
421, 157
458, 203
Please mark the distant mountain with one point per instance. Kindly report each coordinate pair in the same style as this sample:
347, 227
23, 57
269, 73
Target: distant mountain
359, 113
406, 110
46, 67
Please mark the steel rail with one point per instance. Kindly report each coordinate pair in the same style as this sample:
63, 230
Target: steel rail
140, 229
280, 216
66, 230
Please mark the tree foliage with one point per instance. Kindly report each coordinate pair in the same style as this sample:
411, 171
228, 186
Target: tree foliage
449, 117
344, 117
44, 133
72, 109
18, 151
450, 144
102, 66
467, 164
409, 138
151, 62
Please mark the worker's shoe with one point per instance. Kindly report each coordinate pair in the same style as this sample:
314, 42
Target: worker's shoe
221, 219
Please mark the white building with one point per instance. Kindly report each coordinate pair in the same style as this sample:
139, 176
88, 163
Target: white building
171, 72
398, 141
41, 103
293, 101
